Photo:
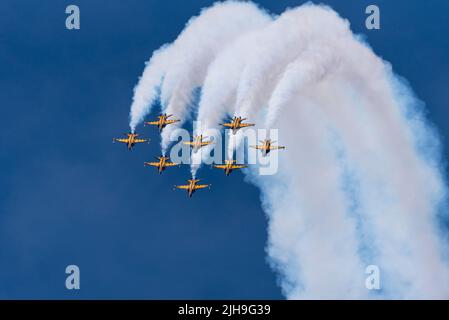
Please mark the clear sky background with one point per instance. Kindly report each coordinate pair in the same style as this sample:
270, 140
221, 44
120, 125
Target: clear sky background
70, 196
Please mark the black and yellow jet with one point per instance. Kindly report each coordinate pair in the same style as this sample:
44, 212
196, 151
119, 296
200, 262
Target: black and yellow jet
198, 143
161, 164
192, 186
131, 140
236, 124
162, 121
267, 146
229, 166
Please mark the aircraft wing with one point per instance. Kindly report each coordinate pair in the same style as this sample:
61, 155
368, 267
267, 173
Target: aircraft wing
155, 123
188, 143
276, 147
205, 143
121, 140
220, 166
238, 166
243, 125
170, 164
201, 186
154, 164
227, 124
171, 121
258, 147
185, 187
140, 140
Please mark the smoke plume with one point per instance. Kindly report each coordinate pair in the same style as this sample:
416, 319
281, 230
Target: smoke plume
360, 183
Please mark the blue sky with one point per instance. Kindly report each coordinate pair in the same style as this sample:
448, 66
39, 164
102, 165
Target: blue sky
70, 196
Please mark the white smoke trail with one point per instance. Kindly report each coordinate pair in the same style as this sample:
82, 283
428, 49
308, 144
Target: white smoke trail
263, 57
381, 160
146, 91
220, 87
358, 184
183, 65
196, 47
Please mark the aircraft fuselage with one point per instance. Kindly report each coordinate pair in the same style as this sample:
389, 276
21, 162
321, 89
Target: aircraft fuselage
161, 124
266, 149
131, 142
162, 165
191, 188
196, 145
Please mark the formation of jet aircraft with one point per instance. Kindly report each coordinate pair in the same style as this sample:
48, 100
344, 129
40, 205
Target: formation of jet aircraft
236, 124
161, 164
198, 142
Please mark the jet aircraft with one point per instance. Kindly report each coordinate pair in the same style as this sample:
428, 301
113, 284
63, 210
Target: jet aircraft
192, 186
236, 124
267, 146
161, 164
198, 143
162, 121
131, 140
229, 166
